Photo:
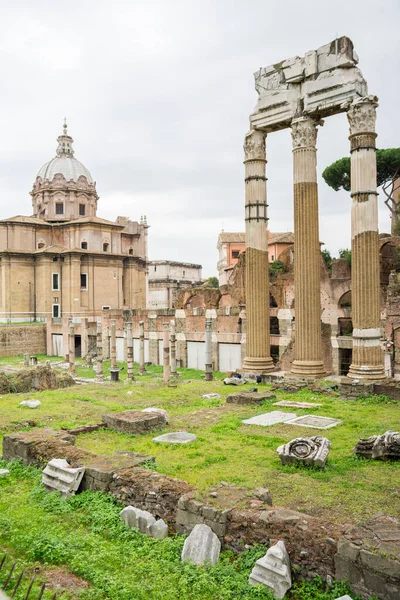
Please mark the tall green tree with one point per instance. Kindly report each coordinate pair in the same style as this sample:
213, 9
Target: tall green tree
337, 176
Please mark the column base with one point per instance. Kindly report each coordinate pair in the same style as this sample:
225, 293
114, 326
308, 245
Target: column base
258, 365
308, 368
367, 372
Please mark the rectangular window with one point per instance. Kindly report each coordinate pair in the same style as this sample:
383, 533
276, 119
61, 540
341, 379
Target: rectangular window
59, 208
84, 245
83, 281
56, 281
235, 253
105, 247
82, 210
56, 311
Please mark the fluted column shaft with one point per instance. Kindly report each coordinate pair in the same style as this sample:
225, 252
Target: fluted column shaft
367, 358
142, 369
166, 354
307, 279
258, 356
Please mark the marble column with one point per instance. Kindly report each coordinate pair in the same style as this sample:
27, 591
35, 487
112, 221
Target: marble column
99, 351
142, 369
367, 361
172, 333
208, 352
167, 367
113, 342
129, 349
258, 356
307, 254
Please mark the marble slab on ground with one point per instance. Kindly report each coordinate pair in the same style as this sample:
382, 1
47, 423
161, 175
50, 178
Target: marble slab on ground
292, 404
315, 422
177, 437
270, 418
278, 416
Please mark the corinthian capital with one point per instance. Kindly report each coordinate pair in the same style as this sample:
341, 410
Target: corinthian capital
254, 145
304, 132
362, 115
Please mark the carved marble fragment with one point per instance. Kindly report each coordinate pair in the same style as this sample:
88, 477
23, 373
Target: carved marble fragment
273, 570
311, 451
382, 447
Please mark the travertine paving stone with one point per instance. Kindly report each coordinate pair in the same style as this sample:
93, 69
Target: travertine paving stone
311, 451
315, 422
202, 546
270, 418
177, 437
273, 570
134, 421
290, 404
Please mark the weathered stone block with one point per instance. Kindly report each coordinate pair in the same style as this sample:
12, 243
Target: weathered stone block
157, 410
201, 546
380, 563
273, 570
249, 397
346, 569
348, 550
134, 421
383, 447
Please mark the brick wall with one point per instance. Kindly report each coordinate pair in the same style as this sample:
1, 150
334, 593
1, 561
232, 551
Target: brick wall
17, 340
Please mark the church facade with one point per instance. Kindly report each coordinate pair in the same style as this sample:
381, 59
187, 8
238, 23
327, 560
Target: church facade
64, 261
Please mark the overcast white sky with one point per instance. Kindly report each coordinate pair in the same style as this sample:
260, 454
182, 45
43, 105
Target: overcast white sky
157, 96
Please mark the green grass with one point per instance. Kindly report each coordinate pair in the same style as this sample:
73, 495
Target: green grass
85, 536
347, 490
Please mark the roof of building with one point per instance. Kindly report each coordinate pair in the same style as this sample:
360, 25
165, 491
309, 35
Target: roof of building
47, 223
273, 238
175, 264
64, 162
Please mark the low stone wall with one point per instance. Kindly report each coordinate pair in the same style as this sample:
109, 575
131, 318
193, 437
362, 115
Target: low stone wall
352, 390
16, 340
368, 556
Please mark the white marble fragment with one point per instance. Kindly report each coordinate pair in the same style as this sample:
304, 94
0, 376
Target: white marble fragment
345, 597
30, 403
212, 395
144, 521
311, 451
273, 570
201, 546
59, 475
177, 437
4, 472
152, 409
233, 381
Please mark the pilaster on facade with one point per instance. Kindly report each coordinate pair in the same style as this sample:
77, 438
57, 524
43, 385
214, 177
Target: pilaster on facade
258, 355
367, 359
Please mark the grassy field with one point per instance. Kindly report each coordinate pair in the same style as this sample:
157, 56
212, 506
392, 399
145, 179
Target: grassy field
347, 490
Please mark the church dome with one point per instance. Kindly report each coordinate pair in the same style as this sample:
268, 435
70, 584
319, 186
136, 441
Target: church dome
64, 162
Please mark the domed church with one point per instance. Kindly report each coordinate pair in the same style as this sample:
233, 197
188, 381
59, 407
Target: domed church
64, 261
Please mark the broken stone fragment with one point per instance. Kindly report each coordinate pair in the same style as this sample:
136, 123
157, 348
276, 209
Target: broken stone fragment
310, 451
212, 395
273, 570
30, 403
4, 472
144, 521
345, 597
264, 495
177, 437
380, 447
233, 381
59, 475
160, 411
201, 546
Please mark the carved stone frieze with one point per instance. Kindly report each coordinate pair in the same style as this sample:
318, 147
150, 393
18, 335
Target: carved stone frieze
383, 447
362, 115
304, 133
311, 451
254, 145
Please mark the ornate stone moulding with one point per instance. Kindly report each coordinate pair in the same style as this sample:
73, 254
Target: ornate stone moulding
310, 451
381, 447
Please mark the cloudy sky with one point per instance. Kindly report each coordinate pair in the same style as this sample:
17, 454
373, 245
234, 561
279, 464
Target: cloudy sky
157, 96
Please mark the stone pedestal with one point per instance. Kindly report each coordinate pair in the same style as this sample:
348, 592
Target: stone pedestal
307, 256
258, 356
367, 361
